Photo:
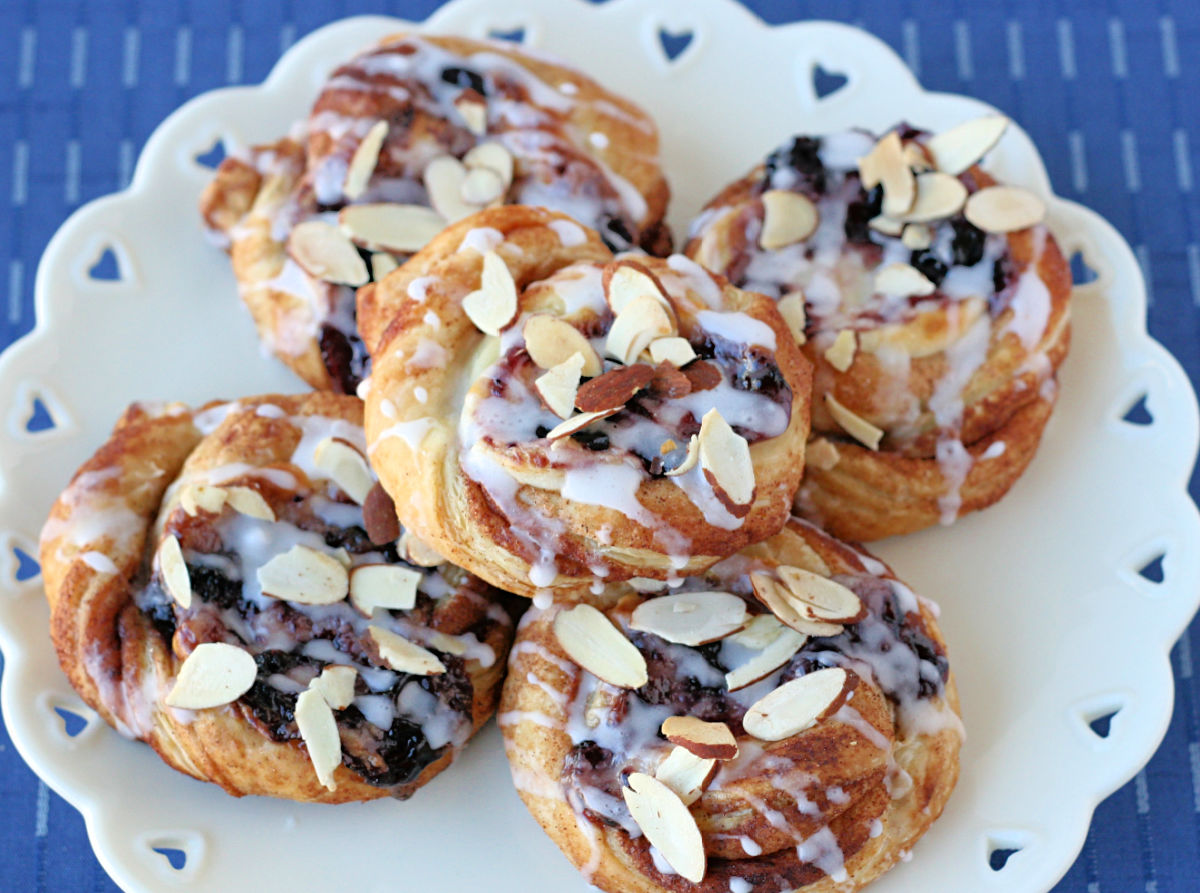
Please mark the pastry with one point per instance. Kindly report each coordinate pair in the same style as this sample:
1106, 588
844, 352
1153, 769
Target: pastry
550, 416
697, 739
409, 135
225, 585
932, 302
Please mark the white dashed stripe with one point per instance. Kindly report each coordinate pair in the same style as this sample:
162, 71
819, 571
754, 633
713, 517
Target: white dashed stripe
1016, 51
1193, 256
1079, 171
1129, 157
28, 60
233, 55
20, 175
962, 50
1185, 655
71, 168
79, 49
41, 820
1183, 160
183, 55
1194, 760
1170, 47
125, 162
1142, 792
16, 289
912, 45
1116, 46
1066, 49
131, 56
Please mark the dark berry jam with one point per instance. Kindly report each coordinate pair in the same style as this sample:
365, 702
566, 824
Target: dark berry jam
967, 246
345, 358
860, 212
928, 264
465, 78
802, 156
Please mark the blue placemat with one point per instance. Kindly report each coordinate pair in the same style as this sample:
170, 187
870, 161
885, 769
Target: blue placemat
1110, 91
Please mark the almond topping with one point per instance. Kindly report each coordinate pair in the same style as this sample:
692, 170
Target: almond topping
641, 321
174, 572
958, 148
776, 645
889, 226
614, 388
379, 517
725, 456
416, 551
938, 196
915, 157
482, 186
346, 467
493, 156
215, 673
448, 644
703, 375
248, 501
799, 704
200, 497
674, 350
902, 280
690, 618
336, 685
686, 774
592, 641
625, 281
387, 227
689, 460
840, 354
826, 599
559, 385
710, 740
402, 655
854, 425
494, 304
788, 217
667, 824
444, 177
383, 586
318, 728
473, 109
550, 340
788, 609
886, 164
305, 576
916, 236
324, 252
669, 382
578, 423
1004, 209
362, 165
382, 263
791, 308
821, 454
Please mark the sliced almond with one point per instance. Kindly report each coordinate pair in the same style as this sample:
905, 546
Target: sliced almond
915, 157
788, 217
379, 517
494, 156
689, 460
916, 236
840, 354
902, 281
938, 196
248, 501
759, 632
403, 229
405, 656
324, 252
886, 164
690, 618
592, 641
473, 109
799, 704
788, 609
383, 586
559, 385
444, 177
448, 644
821, 454
416, 551
1004, 209
640, 322
215, 673
781, 647
336, 685
791, 308
494, 304
305, 576
319, 730
710, 740
958, 148
725, 456
550, 340
686, 774
667, 824
482, 186
577, 423
346, 467
614, 388
674, 350
382, 263
889, 226
854, 425
174, 572
362, 164
827, 600
626, 280
196, 498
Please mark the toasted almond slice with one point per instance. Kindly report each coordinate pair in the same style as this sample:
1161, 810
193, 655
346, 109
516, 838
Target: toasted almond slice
362, 164
645, 584
777, 652
592, 641
886, 164
248, 501
305, 576
387, 227
336, 685
318, 728
641, 321
889, 226
799, 704
902, 280
383, 586
916, 236
821, 454
346, 467
382, 263
215, 673
558, 386
550, 340
174, 572
324, 252
915, 157
958, 148
938, 196
689, 460
686, 774
788, 609
827, 600
788, 217
854, 425
482, 186
690, 618
379, 517
494, 304
494, 156
667, 824
449, 644
473, 109
725, 456
625, 281
710, 740
614, 388
674, 350
416, 551
759, 632
840, 354
444, 176
871, 165
578, 423
196, 498
405, 656
791, 308
1004, 209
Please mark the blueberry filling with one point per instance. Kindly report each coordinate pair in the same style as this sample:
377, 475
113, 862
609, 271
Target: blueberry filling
860, 213
967, 246
614, 232
801, 156
928, 264
345, 358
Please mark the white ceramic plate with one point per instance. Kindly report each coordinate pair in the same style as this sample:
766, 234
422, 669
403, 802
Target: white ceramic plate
1039, 594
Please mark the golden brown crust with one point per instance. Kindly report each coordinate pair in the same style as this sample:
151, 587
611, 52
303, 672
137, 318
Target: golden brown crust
96, 554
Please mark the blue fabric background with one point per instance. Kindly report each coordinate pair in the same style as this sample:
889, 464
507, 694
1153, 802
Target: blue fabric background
1109, 90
